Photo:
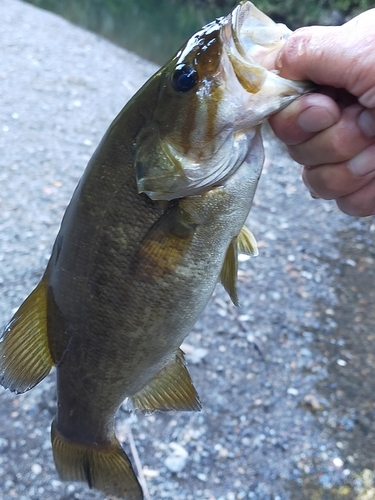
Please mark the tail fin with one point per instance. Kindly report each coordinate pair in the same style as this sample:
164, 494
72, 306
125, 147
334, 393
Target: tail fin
106, 468
25, 358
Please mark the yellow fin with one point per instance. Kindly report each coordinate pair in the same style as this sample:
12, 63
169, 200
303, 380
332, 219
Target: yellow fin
106, 468
25, 357
171, 389
163, 248
228, 275
247, 243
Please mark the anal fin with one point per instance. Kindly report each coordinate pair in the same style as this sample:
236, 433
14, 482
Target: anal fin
25, 357
171, 389
103, 467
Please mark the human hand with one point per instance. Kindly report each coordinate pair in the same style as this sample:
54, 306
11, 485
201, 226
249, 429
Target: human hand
332, 133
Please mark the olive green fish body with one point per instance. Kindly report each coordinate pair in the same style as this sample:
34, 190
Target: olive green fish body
126, 330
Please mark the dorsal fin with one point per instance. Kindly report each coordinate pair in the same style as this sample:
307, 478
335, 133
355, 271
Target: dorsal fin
25, 357
170, 389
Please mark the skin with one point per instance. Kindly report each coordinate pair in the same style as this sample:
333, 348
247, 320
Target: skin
332, 133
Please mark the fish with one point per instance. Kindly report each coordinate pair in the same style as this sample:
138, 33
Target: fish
155, 222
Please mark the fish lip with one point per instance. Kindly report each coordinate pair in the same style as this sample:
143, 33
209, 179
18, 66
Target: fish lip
252, 40
252, 35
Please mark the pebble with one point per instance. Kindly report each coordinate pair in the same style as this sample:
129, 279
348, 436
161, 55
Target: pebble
292, 391
177, 460
313, 402
36, 469
341, 362
194, 355
337, 462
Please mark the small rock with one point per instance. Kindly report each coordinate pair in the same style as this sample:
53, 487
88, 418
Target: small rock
202, 477
177, 460
36, 469
337, 462
292, 391
194, 355
257, 441
312, 402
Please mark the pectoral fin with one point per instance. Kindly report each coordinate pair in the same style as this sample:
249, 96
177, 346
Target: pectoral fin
171, 389
25, 357
163, 248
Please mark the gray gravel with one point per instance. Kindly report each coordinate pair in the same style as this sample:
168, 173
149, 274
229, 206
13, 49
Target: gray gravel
286, 381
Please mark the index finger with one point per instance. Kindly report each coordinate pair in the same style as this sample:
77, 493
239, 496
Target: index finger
329, 55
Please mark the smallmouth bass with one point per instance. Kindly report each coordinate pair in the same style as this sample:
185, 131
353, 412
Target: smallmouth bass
156, 220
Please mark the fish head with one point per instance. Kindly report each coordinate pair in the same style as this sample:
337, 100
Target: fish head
212, 97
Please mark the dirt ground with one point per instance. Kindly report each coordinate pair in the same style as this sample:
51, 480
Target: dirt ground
286, 380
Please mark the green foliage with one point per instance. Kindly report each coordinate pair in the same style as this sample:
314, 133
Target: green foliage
155, 29
296, 14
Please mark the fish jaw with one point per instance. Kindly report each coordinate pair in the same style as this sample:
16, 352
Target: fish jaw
251, 41
255, 35
198, 139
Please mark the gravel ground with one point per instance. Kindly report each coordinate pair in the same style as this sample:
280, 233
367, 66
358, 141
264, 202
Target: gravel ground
286, 380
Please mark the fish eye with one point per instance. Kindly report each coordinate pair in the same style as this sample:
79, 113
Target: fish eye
184, 78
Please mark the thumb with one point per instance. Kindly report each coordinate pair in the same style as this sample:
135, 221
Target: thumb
313, 53
337, 56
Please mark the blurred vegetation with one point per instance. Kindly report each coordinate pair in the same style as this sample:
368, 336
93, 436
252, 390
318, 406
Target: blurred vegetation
156, 28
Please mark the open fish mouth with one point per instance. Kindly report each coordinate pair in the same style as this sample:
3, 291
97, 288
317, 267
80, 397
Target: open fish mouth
254, 34
252, 41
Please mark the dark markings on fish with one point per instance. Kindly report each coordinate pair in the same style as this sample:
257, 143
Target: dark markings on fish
213, 114
208, 43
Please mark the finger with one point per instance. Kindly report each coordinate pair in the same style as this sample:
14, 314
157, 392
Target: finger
328, 54
334, 181
305, 56
361, 203
339, 143
364, 162
306, 116
366, 122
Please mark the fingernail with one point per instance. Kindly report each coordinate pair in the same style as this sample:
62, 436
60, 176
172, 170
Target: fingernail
315, 119
278, 61
364, 162
307, 184
366, 122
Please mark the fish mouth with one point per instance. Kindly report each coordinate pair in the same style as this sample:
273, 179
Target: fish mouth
256, 37
252, 41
